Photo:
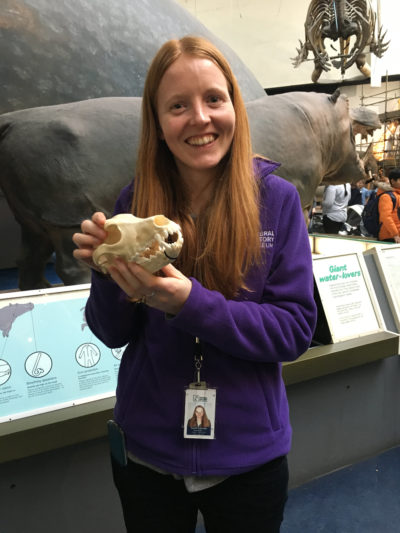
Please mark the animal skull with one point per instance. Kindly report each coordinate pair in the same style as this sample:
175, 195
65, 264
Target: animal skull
150, 242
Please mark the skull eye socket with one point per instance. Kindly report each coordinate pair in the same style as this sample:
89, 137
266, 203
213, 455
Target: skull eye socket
172, 237
113, 235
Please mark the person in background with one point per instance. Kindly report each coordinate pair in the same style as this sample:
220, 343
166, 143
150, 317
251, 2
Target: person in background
242, 286
366, 190
356, 193
389, 214
382, 176
334, 207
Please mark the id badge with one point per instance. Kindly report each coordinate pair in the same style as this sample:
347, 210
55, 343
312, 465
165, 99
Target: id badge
199, 421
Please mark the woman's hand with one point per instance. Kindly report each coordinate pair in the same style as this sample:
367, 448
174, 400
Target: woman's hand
91, 237
168, 294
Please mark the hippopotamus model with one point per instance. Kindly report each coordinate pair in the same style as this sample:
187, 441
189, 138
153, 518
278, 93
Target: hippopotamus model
59, 164
311, 135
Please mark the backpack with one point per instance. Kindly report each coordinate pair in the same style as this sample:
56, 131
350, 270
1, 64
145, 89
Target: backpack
370, 214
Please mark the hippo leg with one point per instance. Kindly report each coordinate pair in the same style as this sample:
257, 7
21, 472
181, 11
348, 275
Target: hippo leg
36, 250
67, 267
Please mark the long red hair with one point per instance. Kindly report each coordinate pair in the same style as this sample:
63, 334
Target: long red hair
205, 422
223, 242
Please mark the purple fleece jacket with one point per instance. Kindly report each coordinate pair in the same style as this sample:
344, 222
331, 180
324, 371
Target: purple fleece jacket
244, 342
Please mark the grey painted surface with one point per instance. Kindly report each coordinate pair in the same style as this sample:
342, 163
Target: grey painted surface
67, 50
66, 491
337, 420
344, 418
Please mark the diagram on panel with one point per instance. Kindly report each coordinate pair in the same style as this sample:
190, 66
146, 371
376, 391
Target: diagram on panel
87, 355
48, 355
5, 371
10, 313
38, 364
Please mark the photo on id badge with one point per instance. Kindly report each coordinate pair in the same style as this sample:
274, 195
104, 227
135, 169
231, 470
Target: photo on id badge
199, 414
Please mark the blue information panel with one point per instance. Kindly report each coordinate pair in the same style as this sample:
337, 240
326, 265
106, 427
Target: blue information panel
49, 358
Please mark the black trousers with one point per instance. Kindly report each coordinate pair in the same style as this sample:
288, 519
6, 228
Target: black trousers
330, 226
252, 502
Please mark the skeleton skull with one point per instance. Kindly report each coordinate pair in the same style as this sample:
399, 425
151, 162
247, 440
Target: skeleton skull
150, 242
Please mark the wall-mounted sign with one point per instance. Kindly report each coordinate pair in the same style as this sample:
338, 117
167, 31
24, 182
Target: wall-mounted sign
49, 358
347, 296
387, 261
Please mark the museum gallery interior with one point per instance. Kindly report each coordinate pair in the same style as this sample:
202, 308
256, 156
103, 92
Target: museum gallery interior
320, 82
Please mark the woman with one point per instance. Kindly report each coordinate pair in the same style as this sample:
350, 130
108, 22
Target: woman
242, 286
334, 207
199, 422
389, 208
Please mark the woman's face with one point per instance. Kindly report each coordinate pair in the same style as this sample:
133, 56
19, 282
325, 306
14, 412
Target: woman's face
195, 114
199, 412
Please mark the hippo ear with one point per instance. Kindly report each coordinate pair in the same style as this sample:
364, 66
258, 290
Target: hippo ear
334, 97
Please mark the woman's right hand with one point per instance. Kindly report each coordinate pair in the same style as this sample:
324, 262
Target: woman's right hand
91, 237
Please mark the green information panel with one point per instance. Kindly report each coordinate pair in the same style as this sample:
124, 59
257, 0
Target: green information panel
347, 296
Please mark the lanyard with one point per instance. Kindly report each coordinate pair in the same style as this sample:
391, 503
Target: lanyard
198, 363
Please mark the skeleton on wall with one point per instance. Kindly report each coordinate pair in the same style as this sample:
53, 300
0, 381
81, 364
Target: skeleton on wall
352, 23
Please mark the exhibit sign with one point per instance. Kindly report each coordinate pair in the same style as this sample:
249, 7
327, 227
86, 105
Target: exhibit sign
347, 296
387, 261
49, 358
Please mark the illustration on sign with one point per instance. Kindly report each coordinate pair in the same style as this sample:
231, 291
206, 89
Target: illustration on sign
49, 358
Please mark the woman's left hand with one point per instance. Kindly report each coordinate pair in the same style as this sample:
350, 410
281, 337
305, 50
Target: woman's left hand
168, 294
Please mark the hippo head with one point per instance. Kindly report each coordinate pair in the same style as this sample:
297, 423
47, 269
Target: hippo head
343, 164
150, 242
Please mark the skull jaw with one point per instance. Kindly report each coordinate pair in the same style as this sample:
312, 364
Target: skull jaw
152, 264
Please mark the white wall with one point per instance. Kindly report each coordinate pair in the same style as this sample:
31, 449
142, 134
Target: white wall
266, 33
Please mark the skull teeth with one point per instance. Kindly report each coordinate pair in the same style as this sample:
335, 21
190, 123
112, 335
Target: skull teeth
160, 244
153, 249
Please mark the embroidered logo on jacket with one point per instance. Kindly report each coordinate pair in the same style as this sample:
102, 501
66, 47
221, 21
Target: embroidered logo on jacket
267, 238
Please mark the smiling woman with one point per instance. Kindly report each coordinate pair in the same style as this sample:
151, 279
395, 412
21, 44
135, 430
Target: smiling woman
187, 176
237, 304
197, 122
